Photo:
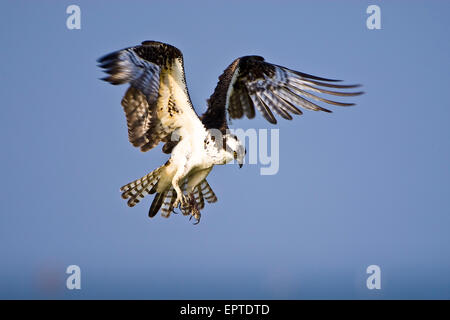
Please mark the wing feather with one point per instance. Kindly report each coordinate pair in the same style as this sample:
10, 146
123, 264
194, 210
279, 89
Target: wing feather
263, 108
266, 97
250, 82
274, 100
247, 105
157, 102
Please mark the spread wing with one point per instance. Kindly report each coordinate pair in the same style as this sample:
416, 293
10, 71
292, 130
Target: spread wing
250, 82
157, 102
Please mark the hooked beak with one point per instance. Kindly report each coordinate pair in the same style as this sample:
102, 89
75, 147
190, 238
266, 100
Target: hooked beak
241, 157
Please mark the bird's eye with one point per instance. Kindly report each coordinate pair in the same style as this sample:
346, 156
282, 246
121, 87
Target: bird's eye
235, 154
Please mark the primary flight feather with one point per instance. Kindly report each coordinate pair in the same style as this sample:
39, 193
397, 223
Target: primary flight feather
158, 109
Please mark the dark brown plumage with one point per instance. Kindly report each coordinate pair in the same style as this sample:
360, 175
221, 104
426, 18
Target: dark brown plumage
270, 89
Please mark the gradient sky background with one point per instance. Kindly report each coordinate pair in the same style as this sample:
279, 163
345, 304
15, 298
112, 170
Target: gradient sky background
364, 185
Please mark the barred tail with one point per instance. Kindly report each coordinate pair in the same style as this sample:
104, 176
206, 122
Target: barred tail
136, 190
206, 191
164, 201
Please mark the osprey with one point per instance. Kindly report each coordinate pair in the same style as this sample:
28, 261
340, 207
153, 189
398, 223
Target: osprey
158, 109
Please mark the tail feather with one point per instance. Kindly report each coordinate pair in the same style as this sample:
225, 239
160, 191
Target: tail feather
169, 199
164, 201
136, 190
207, 191
156, 204
199, 198
184, 207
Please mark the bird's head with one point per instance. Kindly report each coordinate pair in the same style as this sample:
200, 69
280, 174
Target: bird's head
234, 149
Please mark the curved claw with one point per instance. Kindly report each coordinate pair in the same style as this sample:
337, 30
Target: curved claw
193, 208
197, 217
195, 223
181, 202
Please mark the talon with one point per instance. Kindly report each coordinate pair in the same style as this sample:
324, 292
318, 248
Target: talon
177, 202
181, 201
195, 212
197, 216
190, 205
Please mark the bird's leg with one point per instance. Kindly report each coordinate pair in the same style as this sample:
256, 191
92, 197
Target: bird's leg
181, 198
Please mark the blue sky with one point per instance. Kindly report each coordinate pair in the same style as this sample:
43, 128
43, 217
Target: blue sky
361, 186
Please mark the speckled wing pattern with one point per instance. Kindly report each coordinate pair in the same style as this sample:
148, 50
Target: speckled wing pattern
250, 82
142, 67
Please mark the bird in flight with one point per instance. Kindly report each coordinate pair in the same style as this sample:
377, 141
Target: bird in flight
158, 109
